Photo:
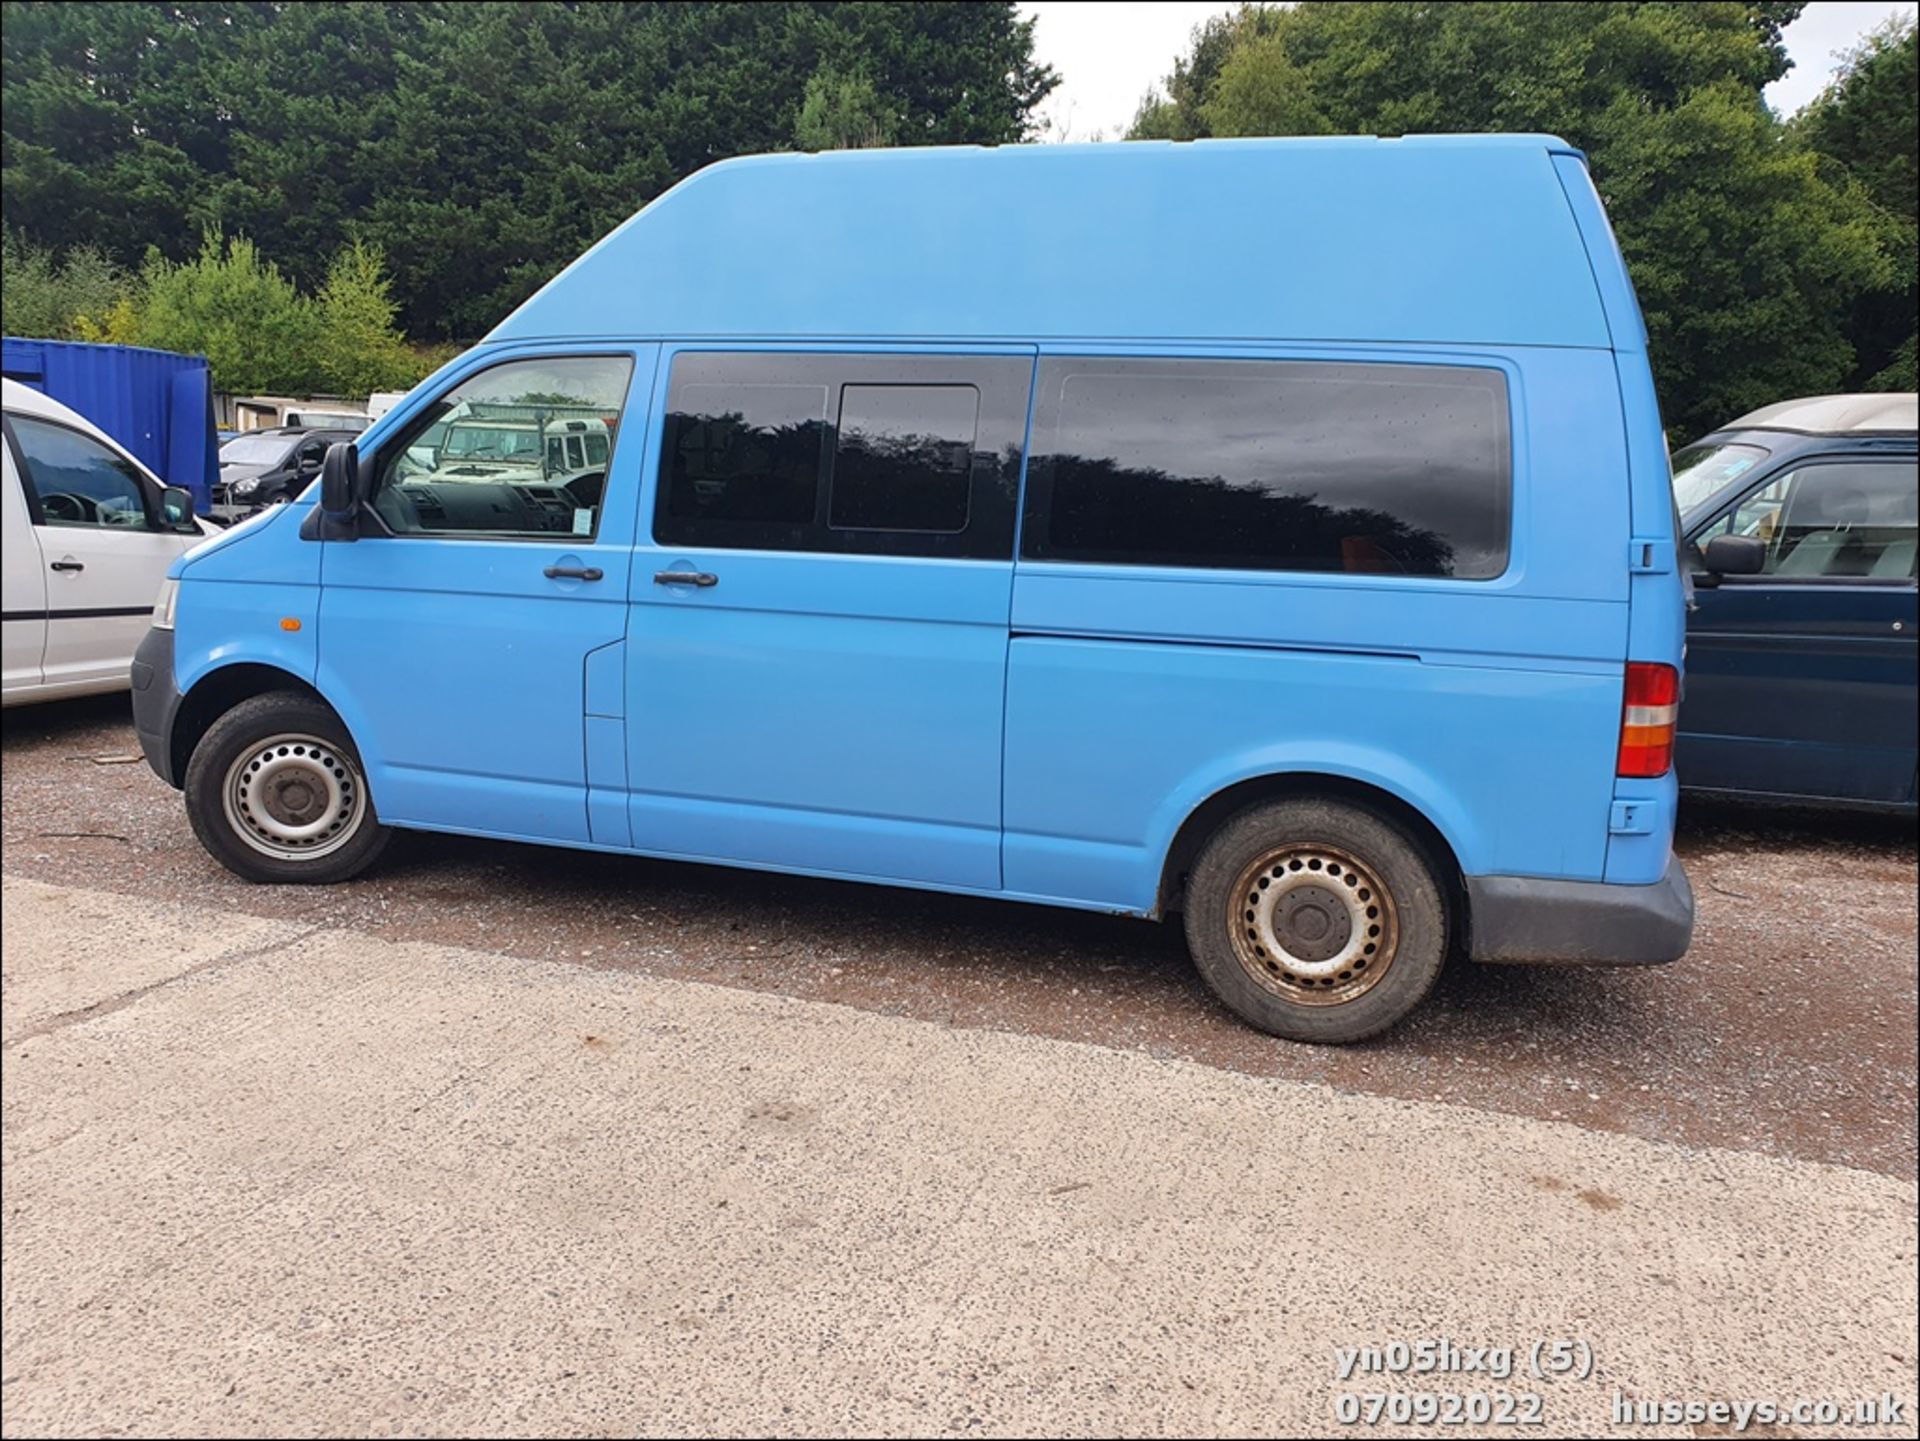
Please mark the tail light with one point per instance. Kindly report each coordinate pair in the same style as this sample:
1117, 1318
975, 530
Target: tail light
1649, 718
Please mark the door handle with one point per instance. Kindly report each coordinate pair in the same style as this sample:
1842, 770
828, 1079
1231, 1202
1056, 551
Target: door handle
574, 572
67, 565
701, 578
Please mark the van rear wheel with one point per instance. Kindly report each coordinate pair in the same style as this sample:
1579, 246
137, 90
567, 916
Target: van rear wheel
1316, 920
276, 794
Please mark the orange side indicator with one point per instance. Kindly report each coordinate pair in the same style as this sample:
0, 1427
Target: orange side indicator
289, 622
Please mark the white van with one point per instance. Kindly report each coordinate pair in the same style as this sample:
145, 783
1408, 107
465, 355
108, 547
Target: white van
88, 534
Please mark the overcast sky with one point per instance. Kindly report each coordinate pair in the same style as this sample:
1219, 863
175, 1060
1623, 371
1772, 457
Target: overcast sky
1108, 55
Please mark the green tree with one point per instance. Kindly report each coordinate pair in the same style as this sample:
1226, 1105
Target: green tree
360, 350
1747, 254
256, 330
62, 301
480, 146
842, 112
1868, 121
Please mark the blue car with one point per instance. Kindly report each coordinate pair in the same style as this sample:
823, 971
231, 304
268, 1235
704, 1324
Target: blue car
1276, 533
1800, 522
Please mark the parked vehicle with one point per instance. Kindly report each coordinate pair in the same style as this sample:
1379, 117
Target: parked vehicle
272, 412
1195, 535
89, 534
269, 467
1800, 521
480, 446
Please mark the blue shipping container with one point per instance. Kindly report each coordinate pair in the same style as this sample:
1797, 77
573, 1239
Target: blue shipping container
157, 404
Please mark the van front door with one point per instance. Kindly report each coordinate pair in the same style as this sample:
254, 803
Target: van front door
454, 635
817, 651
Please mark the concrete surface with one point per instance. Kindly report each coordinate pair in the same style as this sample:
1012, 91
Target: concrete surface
323, 1183
1790, 1027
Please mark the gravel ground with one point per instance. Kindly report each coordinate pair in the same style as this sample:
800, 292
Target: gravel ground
1790, 1028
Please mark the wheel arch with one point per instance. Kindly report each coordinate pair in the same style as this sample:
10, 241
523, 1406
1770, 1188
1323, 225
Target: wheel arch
219, 691
1204, 819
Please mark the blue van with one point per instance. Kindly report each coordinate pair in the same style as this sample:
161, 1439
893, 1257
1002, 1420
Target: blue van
1275, 532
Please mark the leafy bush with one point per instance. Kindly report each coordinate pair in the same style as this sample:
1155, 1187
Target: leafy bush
57, 302
226, 303
257, 330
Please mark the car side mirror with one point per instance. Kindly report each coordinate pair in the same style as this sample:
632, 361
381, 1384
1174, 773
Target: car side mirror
1735, 555
340, 479
176, 509
310, 464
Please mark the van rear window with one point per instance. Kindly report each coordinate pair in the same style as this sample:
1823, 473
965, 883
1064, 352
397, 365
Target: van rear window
1271, 465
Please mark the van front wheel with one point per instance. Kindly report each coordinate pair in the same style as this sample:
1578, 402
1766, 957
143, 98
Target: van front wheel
276, 794
1316, 920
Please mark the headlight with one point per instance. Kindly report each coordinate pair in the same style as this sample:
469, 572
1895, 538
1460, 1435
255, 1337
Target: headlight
247, 486
165, 603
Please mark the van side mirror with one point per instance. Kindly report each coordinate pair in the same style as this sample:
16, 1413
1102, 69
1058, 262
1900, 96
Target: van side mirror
340, 479
176, 510
1735, 555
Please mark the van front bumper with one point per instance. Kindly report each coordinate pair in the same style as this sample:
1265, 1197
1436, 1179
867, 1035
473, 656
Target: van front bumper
1517, 919
156, 701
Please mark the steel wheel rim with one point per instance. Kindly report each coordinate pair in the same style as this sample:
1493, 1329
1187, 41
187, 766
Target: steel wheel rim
294, 797
1312, 924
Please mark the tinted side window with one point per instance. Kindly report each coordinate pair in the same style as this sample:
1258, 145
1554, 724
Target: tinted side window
748, 451
904, 457
1272, 465
873, 454
74, 480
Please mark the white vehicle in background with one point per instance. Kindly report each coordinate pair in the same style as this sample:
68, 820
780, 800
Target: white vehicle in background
88, 535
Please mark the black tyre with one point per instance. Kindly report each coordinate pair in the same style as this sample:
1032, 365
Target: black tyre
275, 793
1316, 920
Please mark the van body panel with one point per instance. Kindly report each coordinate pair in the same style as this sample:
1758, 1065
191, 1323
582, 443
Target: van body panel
1147, 239
831, 711
1113, 744
1657, 623
241, 623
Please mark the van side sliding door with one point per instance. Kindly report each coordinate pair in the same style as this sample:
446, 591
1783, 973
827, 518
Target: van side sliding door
817, 643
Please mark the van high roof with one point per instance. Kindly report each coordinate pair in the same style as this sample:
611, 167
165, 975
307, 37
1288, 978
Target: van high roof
1446, 239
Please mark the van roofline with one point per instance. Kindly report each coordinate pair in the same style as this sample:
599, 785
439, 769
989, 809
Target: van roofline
1364, 239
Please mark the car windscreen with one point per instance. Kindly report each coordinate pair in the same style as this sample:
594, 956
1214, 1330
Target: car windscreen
1700, 472
255, 450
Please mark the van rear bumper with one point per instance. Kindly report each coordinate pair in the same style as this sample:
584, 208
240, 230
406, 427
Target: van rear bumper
1517, 919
